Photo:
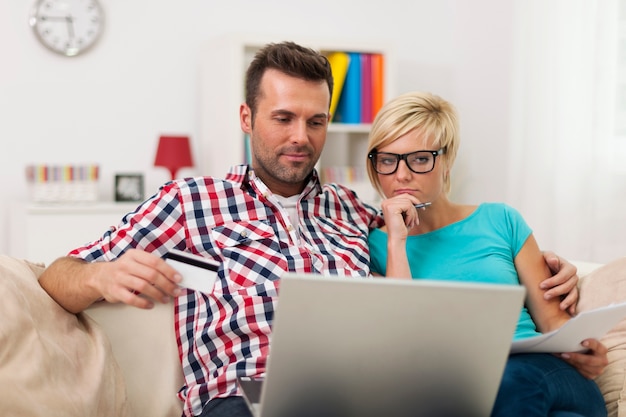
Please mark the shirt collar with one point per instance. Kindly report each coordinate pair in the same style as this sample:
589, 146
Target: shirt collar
244, 175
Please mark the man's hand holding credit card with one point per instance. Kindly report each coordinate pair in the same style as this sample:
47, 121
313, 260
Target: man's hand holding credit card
199, 273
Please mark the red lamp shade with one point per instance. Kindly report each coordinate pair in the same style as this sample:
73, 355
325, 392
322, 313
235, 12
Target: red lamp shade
173, 153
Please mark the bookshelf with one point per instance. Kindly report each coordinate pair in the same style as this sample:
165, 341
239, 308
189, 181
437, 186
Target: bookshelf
224, 62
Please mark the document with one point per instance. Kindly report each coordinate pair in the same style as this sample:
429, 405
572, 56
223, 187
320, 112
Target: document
592, 324
199, 273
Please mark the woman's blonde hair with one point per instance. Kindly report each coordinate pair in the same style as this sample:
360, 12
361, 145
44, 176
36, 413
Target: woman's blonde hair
430, 114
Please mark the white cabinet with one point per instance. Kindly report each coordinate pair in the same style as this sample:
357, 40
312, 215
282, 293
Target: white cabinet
224, 62
44, 232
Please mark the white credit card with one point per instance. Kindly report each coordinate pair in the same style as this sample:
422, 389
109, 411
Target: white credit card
199, 273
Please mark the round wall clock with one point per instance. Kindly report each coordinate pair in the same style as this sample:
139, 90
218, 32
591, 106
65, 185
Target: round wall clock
67, 27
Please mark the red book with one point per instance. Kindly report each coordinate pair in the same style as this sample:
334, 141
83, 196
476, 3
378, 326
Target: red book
366, 88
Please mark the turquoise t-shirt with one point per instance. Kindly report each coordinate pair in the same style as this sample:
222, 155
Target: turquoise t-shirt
480, 248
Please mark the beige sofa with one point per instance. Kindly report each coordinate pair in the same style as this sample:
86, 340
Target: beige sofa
137, 371
112, 360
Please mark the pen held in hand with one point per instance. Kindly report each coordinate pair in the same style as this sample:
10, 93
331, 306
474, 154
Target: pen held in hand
417, 206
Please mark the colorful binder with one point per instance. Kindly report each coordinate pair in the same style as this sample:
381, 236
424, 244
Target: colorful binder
349, 107
378, 83
366, 88
339, 62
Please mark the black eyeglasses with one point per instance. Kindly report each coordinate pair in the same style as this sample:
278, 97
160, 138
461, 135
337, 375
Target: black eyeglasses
420, 162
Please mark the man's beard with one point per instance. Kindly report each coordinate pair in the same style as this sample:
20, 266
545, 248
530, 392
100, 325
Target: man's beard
292, 173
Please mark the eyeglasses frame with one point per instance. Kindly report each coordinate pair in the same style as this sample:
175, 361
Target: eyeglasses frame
402, 157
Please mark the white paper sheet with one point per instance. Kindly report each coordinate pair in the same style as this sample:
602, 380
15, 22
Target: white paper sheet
589, 324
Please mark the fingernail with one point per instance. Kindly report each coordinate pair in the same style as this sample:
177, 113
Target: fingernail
565, 355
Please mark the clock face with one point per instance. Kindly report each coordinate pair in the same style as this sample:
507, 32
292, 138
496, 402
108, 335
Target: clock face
67, 27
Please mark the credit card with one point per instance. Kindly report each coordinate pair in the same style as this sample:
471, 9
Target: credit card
199, 273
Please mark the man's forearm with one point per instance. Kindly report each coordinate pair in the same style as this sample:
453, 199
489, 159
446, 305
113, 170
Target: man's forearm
66, 281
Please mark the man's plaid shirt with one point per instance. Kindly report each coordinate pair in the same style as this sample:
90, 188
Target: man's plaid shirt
239, 223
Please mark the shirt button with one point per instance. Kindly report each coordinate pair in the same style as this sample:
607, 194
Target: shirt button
290, 228
244, 234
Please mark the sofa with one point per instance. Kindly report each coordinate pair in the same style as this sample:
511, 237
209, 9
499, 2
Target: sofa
116, 360
111, 360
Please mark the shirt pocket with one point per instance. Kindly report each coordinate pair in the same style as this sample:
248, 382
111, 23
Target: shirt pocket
251, 256
240, 233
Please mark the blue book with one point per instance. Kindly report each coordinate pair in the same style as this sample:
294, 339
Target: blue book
349, 107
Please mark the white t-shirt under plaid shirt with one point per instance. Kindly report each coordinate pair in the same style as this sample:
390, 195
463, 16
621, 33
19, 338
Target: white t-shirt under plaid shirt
239, 223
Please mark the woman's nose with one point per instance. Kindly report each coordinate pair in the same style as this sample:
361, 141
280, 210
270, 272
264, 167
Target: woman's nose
403, 171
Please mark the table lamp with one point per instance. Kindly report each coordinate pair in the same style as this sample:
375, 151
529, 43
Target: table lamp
173, 153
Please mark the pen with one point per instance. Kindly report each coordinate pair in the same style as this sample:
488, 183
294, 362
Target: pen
417, 206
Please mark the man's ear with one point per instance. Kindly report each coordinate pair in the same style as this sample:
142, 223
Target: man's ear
245, 118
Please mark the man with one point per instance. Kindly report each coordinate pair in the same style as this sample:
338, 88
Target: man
262, 220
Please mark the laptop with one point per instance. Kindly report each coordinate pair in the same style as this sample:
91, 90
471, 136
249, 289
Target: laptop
385, 347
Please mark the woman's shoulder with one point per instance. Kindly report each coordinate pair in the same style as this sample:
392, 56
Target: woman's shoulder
497, 207
500, 210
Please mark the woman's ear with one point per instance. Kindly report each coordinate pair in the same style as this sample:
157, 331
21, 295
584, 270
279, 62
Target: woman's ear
446, 173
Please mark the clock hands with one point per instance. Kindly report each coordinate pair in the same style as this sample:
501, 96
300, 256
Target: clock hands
61, 18
70, 26
69, 20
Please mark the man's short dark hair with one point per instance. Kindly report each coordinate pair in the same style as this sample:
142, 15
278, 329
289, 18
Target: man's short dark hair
291, 59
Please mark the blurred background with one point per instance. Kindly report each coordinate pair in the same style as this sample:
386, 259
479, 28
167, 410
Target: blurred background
539, 85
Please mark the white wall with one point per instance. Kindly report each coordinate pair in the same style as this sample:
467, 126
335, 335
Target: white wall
141, 80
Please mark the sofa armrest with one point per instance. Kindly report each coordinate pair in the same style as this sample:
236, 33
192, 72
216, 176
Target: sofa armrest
600, 287
144, 345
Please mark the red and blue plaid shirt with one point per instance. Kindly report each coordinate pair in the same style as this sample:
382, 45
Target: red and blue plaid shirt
239, 223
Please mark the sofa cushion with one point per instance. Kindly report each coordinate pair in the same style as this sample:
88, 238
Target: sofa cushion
601, 287
52, 362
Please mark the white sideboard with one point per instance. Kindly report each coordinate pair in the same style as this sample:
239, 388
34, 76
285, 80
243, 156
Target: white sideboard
44, 232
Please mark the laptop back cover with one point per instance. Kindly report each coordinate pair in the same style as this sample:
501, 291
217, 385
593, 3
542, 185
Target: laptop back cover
385, 347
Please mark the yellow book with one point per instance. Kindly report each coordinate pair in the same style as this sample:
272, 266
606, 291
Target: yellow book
339, 62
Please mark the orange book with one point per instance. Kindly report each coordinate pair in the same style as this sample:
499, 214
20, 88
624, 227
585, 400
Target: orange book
378, 83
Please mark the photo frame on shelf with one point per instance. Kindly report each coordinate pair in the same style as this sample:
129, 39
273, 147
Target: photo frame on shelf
129, 187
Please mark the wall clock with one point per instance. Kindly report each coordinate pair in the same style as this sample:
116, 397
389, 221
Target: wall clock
67, 27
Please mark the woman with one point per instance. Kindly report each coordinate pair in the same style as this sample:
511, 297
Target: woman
412, 147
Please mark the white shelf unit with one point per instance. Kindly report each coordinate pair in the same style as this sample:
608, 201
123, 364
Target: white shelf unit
224, 63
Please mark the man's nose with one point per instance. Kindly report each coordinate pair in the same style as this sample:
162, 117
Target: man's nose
300, 132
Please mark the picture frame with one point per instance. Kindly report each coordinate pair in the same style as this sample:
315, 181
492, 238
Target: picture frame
129, 187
